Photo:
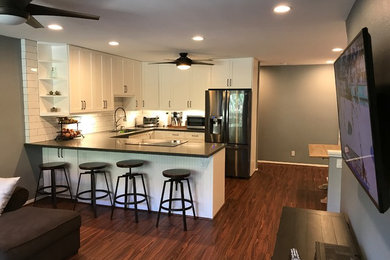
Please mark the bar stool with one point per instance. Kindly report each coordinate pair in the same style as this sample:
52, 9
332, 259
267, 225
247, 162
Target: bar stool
130, 176
52, 167
92, 168
176, 176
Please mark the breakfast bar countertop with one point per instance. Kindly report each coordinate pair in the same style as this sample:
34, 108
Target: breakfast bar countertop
106, 141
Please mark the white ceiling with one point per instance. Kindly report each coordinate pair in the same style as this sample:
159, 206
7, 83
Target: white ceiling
153, 30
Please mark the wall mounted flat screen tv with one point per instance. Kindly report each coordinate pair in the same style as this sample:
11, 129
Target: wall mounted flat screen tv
359, 121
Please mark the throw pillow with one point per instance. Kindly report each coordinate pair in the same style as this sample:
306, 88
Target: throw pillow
7, 187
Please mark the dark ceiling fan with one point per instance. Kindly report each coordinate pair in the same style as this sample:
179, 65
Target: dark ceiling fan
183, 62
14, 12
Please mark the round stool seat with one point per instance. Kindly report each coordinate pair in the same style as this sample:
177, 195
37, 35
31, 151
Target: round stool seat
177, 173
52, 165
92, 166
129, 163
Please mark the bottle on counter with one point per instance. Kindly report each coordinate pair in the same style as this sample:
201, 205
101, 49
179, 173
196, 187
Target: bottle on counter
53, 72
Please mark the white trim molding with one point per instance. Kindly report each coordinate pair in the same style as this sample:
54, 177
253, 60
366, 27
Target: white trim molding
293, 163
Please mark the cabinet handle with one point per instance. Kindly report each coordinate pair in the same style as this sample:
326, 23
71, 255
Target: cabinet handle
169, 103
58, 152
82, 105
106, 104
62, 152
227, 82
143, 103
175, 134
85, 104
125, 88
230, 82
136, 103
190, 103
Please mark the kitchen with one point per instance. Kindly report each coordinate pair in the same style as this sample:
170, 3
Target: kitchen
100, 83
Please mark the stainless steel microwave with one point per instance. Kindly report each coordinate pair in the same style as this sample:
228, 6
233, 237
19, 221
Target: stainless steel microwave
195, 122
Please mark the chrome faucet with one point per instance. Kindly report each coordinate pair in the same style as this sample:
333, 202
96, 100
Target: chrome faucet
122, 117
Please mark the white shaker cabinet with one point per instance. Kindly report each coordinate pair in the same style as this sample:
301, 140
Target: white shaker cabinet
174, 86
150, 89
101, 82
200, 82
126, 77
80, 80
232, 73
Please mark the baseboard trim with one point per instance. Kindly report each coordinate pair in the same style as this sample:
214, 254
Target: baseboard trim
293, 163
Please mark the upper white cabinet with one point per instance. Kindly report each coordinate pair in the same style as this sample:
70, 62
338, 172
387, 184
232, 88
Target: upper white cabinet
80, 80
53, 79
183, 90
232, 73
200, 82
150, 90
126, 76
101, 82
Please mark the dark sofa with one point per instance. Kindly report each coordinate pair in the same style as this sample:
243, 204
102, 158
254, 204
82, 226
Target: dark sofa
37, 233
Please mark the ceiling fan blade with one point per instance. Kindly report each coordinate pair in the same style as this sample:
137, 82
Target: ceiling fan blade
201, 63
167, 62
43, 10
34, 23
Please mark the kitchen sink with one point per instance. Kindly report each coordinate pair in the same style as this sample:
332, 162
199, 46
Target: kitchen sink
156, 142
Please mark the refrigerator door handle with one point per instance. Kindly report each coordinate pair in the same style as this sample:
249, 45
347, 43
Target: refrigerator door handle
226, 123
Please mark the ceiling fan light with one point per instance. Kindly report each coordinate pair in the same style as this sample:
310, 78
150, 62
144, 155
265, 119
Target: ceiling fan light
11, 19
183, 66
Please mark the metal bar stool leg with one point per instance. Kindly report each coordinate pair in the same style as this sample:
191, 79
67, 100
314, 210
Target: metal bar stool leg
135, 199
126, 190
183, 206
192, 202
108, 188
170, 197
67, 181
146, 195
77, 192
116, 192
93, 192
53, 188
36, 192
162, 198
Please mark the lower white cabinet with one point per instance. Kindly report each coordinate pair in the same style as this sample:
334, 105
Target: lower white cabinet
182, 135
69, 156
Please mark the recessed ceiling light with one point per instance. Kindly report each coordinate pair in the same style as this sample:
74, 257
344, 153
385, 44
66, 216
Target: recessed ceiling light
55, 27
337, 49
198, 38
281, 9
113, 43
329, 61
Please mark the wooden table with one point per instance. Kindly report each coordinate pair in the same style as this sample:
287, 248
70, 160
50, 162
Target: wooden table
301, 228
321, 150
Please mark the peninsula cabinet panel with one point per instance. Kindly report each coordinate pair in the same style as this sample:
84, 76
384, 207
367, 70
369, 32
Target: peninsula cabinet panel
69, 156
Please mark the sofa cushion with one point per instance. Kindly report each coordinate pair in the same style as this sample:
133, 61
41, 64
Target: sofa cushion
17, 200
7, 187
29, 230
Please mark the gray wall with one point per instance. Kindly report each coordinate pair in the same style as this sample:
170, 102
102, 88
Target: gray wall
14, 159
372, 228
297, 106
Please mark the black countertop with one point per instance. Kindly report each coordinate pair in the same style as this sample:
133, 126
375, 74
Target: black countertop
104, 141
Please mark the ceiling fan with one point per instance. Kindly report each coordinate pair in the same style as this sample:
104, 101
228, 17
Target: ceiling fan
183, 62
14, 12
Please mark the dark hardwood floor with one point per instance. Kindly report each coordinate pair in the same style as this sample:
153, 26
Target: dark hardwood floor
245, 228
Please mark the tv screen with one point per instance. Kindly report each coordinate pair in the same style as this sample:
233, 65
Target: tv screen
358, 118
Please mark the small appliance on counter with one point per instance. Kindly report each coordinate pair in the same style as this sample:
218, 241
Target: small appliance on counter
176, 118
149, 122
195, 122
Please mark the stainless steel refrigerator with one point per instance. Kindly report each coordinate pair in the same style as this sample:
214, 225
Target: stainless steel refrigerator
228, 120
